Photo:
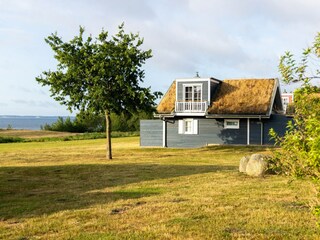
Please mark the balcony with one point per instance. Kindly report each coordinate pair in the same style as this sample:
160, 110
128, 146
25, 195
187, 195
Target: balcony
191, 107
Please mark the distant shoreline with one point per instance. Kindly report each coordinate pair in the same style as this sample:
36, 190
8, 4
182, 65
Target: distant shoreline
36, 116
27, 122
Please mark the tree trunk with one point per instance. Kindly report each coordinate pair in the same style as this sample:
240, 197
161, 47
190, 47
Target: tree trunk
108, 135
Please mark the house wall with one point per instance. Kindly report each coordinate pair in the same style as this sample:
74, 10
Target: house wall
180, 89
213, 89
211, 131
151, 133
255, 131
278, 123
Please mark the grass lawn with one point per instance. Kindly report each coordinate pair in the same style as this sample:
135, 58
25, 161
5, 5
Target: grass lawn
68, 190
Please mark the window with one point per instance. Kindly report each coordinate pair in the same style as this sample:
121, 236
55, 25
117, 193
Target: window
188, 94
192, 93
197, 93
188, 126
231, 124
285, 100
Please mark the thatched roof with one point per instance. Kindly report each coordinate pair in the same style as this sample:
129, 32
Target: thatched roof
234, 96
243, 96
167, 103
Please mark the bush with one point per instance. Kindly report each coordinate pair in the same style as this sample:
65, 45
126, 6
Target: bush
300, 147
11, 139
290, 109
86, 122
67, 125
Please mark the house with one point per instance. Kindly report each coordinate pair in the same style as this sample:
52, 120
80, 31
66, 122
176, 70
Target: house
287, 98
201, 111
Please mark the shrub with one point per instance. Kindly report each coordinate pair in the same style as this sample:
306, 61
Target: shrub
88, 122
11, 139
300, 147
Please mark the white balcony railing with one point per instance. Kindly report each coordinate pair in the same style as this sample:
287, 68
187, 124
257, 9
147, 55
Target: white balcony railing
184, 107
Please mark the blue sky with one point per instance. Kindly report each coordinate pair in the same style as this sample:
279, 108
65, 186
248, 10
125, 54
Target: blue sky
217, 38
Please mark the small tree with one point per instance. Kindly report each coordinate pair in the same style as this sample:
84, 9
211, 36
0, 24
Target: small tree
300, 147
100, 75
300, 155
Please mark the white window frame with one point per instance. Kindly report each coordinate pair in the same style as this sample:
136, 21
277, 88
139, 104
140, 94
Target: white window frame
193, 130
285, 100
285, 103
192, 95
236, 126
188, 126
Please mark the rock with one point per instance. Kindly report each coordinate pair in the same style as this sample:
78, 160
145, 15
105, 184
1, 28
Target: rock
243, 164
257, 165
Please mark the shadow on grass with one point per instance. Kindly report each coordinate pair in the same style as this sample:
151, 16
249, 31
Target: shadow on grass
33, 191
245, 149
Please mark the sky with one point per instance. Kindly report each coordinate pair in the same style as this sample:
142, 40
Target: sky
216, 38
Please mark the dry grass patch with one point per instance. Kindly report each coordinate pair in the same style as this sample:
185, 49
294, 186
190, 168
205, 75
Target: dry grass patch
167, 103
67, 190
243, 96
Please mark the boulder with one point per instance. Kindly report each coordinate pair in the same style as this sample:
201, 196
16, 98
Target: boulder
243, 164
257, 165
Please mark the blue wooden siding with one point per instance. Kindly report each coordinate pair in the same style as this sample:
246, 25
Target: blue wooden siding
213, 89
255, 131
151, 133
278, 123
210, 131
234, 136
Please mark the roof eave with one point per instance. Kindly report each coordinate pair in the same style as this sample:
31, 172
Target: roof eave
164, 115
237, 116
274, 92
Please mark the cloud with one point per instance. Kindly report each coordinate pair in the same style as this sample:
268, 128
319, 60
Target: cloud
31, 91
33, 103
223, 39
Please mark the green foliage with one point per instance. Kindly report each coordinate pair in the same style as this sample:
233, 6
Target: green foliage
300, 147
127, 122
10, 139
290, 109
300, 154
99, 75
80, 124
88, 122
63, 125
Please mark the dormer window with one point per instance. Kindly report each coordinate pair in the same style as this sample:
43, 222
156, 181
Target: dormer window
192, 93
193, 96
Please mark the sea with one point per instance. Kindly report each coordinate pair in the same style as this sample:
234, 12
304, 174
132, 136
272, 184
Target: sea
27, 122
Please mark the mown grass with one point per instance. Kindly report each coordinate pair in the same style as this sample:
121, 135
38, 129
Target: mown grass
67, 190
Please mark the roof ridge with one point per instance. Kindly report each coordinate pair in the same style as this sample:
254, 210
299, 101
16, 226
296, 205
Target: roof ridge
251, 79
